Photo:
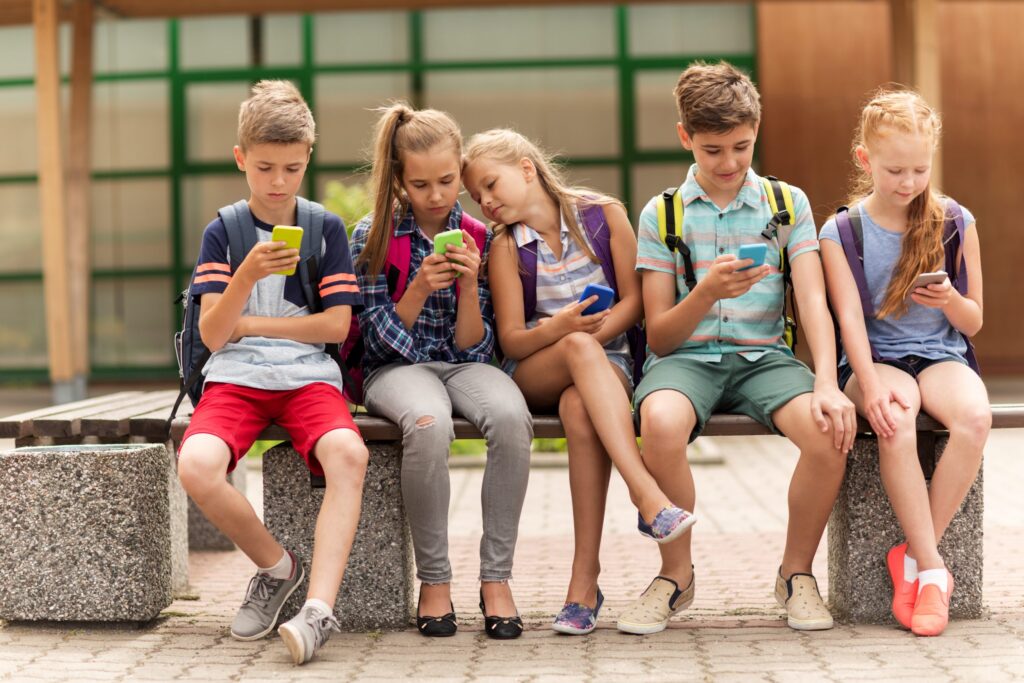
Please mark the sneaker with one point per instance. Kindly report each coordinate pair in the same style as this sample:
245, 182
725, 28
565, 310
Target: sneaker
668, 525
805, 609
307, 631
263, 602
576, 619
904, 593
931, 613
651, 611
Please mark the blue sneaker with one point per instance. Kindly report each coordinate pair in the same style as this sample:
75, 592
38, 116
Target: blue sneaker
668, 525
576, 619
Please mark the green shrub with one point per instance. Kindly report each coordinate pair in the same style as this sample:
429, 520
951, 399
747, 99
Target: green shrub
351, 202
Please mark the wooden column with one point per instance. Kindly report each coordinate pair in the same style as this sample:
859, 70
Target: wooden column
51, 199
79, 204
915, 53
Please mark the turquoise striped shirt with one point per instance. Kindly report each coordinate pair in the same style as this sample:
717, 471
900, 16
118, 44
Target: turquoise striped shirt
750, 325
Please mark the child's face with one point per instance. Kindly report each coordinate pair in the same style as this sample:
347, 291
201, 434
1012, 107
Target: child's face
722, 158
500, 189
900, 165
431, 180
274, 172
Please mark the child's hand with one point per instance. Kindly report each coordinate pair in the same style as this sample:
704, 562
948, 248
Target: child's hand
435, 273
831, 409
725, 280
571, 318
465, 259
933, 296
267, 258
878, 400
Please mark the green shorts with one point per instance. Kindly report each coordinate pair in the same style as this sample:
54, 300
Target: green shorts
733, 385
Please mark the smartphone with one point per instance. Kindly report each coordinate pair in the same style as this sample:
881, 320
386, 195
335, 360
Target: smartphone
605, 296
758, 252
443, 239
291, 235
925, 279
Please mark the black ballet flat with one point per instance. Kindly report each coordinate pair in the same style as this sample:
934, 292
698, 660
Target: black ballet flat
437, 627
501, 628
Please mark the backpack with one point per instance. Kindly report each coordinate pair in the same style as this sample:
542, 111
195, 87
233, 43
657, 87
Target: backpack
189, 349
851, 234
599, 235
779, 227
396, 267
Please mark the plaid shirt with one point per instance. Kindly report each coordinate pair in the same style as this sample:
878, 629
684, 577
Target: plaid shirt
432, 337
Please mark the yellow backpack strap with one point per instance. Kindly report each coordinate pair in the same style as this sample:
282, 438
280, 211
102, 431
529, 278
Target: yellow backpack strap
780, 200
670, 229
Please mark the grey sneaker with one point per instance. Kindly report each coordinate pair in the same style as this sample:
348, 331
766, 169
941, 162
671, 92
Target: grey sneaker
306, 632
263, 602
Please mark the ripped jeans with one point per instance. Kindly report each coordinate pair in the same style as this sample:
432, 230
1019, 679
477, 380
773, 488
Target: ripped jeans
420, 399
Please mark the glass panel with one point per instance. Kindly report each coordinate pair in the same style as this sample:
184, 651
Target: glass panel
571, 111
18, 130
23, 326
214, 42
130, 45
655, 112
606, 179
201, 197
360, 37
282, 39
652, 179
20, 229
132, 322
719, 28
131, 223
130, 127
17, 52
345, 116
537, 33
212, 119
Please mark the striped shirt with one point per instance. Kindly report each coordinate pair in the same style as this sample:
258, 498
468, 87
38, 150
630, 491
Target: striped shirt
751, 324
432, 337
560, 282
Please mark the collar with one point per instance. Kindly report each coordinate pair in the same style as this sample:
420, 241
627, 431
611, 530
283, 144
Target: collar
523, 234
407, 224
749, 194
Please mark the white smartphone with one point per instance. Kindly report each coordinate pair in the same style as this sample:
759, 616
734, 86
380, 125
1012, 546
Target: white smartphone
925, 279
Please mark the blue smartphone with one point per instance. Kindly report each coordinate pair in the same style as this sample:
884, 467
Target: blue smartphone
605, 296
757, 252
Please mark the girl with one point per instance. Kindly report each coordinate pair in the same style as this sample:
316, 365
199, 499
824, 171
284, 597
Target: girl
913, 353
427, 354
544, 255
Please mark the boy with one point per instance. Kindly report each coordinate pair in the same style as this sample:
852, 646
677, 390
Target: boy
269, 364
719, 346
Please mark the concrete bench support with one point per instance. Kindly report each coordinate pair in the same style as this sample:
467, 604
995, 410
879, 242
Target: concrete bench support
87, 533
863, 527
376, 593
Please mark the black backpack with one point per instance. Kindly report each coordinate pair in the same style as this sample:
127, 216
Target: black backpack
189, 349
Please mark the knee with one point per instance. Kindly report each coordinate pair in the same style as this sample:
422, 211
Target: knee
580, 346
662, 428
199, 474
429, 433
973, 425
343, 457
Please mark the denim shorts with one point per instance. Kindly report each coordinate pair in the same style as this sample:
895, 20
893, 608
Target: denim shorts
912, 365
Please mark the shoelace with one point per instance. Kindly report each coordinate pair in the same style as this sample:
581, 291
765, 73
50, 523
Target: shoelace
260, 589
322, 625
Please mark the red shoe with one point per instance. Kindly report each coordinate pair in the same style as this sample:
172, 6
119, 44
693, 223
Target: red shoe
931, 613
904, 593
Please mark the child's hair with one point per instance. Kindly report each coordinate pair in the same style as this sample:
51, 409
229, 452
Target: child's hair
509, 147
275, 113
904, 111
401, 129
715, 98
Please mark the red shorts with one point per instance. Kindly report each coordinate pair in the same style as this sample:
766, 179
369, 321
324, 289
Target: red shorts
237, 415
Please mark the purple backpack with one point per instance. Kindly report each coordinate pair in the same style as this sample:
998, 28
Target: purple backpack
851, 234
599, 234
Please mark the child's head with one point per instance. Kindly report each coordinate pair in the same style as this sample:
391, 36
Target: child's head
719, 113
894, 145
275, 137
417, 160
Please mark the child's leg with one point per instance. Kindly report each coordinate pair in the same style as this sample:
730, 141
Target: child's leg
955, 396
578, 359
589, 472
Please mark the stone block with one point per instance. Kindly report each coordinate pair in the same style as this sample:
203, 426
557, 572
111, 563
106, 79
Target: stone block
87, 532
863, 527
376, 593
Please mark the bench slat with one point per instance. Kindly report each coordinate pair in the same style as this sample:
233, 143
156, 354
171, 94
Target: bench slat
70, 424
116, 422
22, 425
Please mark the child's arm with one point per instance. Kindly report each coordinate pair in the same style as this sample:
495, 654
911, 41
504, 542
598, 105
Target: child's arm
469, 322
325, 327
965, 313
628, 311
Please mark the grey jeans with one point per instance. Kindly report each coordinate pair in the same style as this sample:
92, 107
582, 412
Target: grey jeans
420, 399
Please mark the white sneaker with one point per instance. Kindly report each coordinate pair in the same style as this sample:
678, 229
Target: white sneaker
651, 611
307, 631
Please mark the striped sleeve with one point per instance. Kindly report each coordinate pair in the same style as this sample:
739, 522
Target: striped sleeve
338, 284
652, 253
213, 269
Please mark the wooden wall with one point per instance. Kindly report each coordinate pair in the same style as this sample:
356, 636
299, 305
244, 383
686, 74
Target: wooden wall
817, 63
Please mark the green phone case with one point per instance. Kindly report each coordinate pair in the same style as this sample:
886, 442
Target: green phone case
290, 235
442, 239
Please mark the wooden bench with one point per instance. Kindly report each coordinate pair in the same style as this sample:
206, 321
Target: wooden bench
379, 577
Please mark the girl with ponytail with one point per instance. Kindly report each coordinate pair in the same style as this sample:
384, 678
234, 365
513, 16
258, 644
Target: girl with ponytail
427, 354
909, 351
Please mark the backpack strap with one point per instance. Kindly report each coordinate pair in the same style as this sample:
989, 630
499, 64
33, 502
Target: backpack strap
851, 236
528, 276
599, 234
780, 226
479, 233
396, 265
954, 235
310, 217
241, 231
670, 229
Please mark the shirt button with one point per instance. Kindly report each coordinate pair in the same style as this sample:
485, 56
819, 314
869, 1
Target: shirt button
725, 319
721, 215
721, 250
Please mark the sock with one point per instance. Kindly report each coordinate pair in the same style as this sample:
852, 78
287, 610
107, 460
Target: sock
936, 577
319, 604
281, 570
909, 569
